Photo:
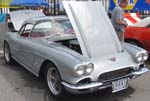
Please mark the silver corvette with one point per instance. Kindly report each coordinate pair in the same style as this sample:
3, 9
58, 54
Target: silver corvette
81, 54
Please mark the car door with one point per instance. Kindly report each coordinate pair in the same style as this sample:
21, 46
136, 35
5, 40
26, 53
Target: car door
24, 44
15, 45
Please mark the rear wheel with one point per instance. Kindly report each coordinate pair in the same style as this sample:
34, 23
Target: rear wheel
53, 81
7, 53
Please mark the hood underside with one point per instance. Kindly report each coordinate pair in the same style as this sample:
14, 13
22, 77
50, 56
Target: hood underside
93, 28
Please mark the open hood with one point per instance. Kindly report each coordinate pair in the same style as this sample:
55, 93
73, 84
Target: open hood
93, 28
18, 17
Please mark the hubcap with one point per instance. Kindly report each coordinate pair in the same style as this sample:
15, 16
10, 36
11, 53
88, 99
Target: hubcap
53, 80
6, 53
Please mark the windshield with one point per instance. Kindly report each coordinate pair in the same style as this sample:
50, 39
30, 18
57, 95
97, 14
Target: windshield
67, 26
50, 28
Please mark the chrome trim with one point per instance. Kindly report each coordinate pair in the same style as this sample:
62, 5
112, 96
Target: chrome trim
140, 72
127, 66
133, 74
125, 76
105, 86
80, 87
101, 85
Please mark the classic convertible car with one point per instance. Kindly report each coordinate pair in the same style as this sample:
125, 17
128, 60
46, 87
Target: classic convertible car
139, 34
89, 59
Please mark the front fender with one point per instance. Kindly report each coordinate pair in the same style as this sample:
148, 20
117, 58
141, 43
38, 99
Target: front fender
64, 58
132, 49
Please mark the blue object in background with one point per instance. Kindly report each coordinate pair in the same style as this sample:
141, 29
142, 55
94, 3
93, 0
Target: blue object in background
2, 18
29, 3
141, 5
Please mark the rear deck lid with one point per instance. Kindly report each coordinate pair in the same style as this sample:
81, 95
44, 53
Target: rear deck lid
18, 17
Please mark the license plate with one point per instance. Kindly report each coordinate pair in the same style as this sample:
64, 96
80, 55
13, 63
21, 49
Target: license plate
119, 85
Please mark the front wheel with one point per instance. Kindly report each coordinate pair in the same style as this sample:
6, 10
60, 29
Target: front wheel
7, 53
53, 81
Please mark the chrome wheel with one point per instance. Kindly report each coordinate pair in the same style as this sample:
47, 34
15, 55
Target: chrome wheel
6, 52
54, 81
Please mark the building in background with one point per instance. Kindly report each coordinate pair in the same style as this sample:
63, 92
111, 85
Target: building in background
4, 6
56, 6
139, 6
106, 4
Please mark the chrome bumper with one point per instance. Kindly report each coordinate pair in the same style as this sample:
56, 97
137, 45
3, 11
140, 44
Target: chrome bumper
99, 85
85, 86
140, 72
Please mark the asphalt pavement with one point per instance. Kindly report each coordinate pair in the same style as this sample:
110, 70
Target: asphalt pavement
3, 29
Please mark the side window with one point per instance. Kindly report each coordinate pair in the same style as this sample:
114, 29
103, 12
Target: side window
25, 31
41, 29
